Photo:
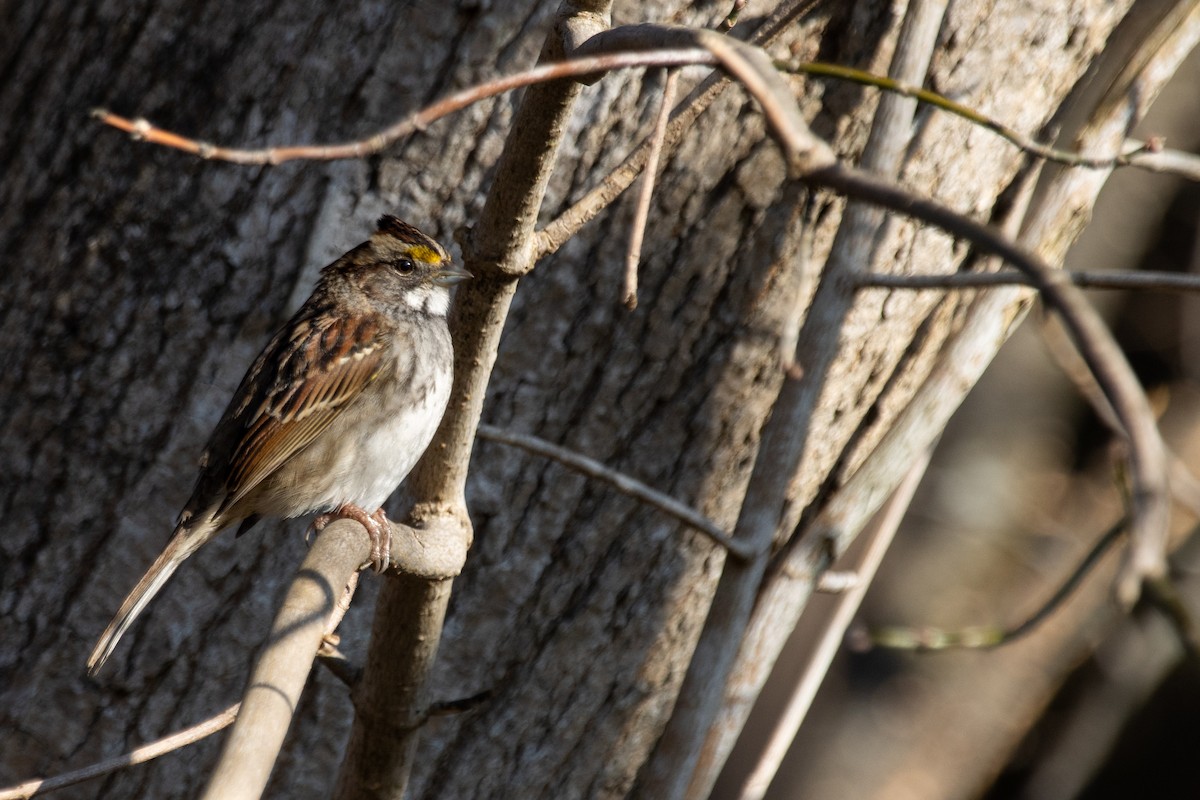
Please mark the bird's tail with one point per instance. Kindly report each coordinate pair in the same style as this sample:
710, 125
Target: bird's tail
184, 542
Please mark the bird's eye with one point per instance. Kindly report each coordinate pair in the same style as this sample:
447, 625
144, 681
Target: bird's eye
405, 265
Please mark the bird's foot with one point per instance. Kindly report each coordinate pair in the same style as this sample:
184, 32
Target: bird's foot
378, 529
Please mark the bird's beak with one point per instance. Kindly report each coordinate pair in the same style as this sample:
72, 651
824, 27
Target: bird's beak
450, 276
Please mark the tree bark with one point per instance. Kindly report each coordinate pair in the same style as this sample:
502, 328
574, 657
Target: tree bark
139, 283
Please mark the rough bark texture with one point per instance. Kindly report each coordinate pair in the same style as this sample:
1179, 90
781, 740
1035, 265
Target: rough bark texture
139, 283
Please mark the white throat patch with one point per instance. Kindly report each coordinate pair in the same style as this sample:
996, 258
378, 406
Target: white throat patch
434, 300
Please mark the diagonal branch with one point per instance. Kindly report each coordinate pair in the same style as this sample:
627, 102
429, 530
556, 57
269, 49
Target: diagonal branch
144, 130
139, 755
273, 691
619, 481
812, 674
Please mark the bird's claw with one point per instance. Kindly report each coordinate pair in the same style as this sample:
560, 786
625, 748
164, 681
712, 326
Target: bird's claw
379, 530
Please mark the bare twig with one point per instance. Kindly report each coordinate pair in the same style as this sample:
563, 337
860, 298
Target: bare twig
1172, 162
1149, 155
619, 481
685, 115
926, 638
1144, 281
647, 192
139, 755
144, 130
880, 537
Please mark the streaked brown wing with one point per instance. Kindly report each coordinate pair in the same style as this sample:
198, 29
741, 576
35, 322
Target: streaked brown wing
313, 375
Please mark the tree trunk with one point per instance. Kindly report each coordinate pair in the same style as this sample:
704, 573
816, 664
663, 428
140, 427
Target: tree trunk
139, 283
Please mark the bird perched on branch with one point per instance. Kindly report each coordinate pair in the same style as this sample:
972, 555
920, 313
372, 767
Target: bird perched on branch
333, 413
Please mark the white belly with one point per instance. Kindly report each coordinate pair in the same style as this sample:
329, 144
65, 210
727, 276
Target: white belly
365, 452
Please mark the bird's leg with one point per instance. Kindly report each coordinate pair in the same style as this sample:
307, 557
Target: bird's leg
378, 529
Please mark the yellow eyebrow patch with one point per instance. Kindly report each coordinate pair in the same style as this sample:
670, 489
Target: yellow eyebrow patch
426, 254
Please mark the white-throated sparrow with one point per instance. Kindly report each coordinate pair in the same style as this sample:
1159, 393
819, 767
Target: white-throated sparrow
333, 413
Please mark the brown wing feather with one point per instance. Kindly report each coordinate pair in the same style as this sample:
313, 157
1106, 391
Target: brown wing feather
315, 373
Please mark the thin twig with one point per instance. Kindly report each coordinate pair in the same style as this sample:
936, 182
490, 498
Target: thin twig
619, 481
1142, 281
643, 205
144, 130
1149, 155
568, 223
929, 639
139, 755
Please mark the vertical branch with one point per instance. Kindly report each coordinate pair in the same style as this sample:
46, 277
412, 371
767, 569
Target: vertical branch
410, 613
692, 750
387, 718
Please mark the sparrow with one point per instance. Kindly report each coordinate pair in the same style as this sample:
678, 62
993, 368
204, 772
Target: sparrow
334, 412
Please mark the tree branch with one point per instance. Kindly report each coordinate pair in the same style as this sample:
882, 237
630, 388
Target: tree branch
274, 688
1150, 156
139, 755
409, 614
145, 131
698, 737
619, 481
1151, 497
1143, 281
634, 255
879, 537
